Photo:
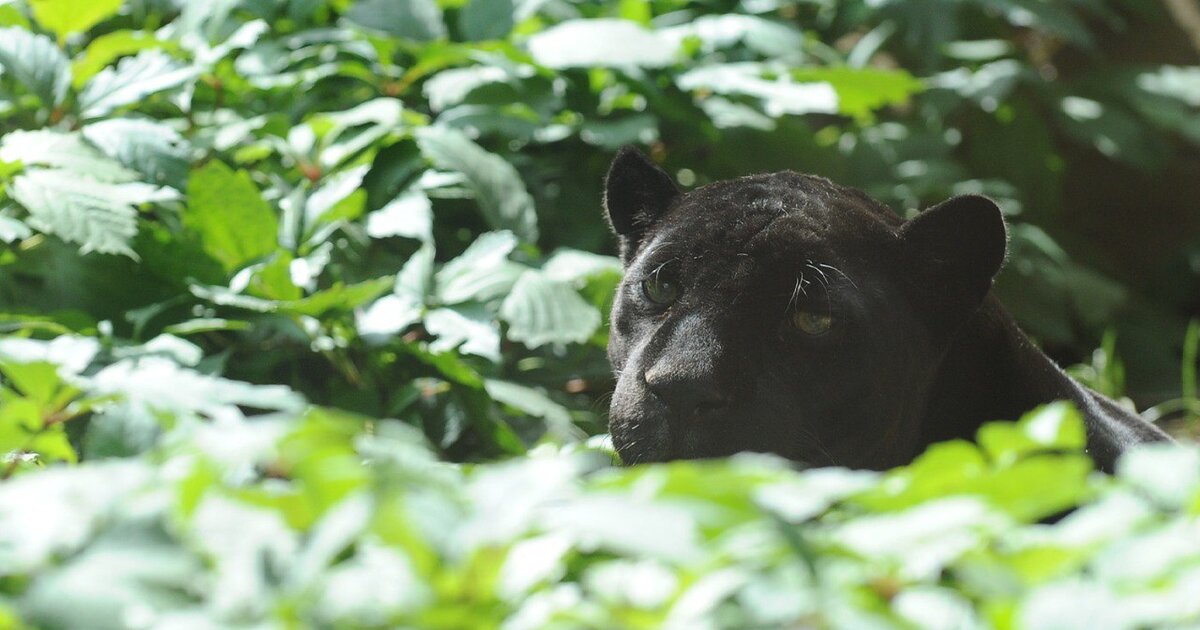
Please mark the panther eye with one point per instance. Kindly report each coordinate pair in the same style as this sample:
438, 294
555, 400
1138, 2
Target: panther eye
660, 289
812, 322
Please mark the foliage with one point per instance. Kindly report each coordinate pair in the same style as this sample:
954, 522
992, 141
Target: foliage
387, 207
311, 517
248, 245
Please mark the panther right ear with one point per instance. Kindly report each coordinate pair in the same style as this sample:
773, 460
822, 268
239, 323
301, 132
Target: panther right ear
636, 193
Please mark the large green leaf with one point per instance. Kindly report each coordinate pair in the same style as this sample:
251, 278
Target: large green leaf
486, 19
97, 216
65, 17
419, 20
158, 152
35, 62
480, 273
56, 149
235, 224
497, 185
133, 79
105, 49
778, 96
540, 310
860, 91
607, 43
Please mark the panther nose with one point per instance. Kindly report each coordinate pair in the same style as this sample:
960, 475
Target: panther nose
688, 396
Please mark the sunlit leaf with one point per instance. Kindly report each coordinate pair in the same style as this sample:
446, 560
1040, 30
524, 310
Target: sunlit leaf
498, 187
158, 152
35, 62
65, 17
590, 43
131, 80
540, 310
234, 223
97, 216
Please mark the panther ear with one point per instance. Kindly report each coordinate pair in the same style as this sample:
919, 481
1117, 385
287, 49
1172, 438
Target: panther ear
636, 193
957, 247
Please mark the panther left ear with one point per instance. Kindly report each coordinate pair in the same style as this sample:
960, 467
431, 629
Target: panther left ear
957, 246
636, 193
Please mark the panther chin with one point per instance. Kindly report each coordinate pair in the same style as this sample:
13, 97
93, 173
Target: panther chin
786, 314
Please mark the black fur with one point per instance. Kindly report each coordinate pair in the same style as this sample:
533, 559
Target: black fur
918, 350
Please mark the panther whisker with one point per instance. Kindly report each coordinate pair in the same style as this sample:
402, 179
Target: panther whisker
839, 272
796, 292
823, 278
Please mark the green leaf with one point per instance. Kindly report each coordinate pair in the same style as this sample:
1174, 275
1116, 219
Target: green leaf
158, 152
468, 330
418, 20
593, 44
55, 149
481, 272
409, 215
771, 39
66, 17
35, 62
450, 87
97, 216
105, 49
12, 230
541, 311
498, 187
236, 226
158, 384
1053, 427
778, 96
345, 297
861, 91
133, 79
37, 381
72, 504
532, 402
486, 19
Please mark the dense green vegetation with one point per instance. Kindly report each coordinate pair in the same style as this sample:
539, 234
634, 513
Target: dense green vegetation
268, 267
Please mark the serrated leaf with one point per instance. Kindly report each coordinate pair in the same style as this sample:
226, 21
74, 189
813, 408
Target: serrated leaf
225, 208
35, 62
103, 50
66, 17
467, 330
605, 43
151, 148
541, 311
55, 149
481, 272
498, 187
98, 216
133, 79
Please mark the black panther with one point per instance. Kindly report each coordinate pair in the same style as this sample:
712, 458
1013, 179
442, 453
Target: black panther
784, 313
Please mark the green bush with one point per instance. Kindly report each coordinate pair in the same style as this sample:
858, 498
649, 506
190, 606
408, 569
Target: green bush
267, 266
313, 517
